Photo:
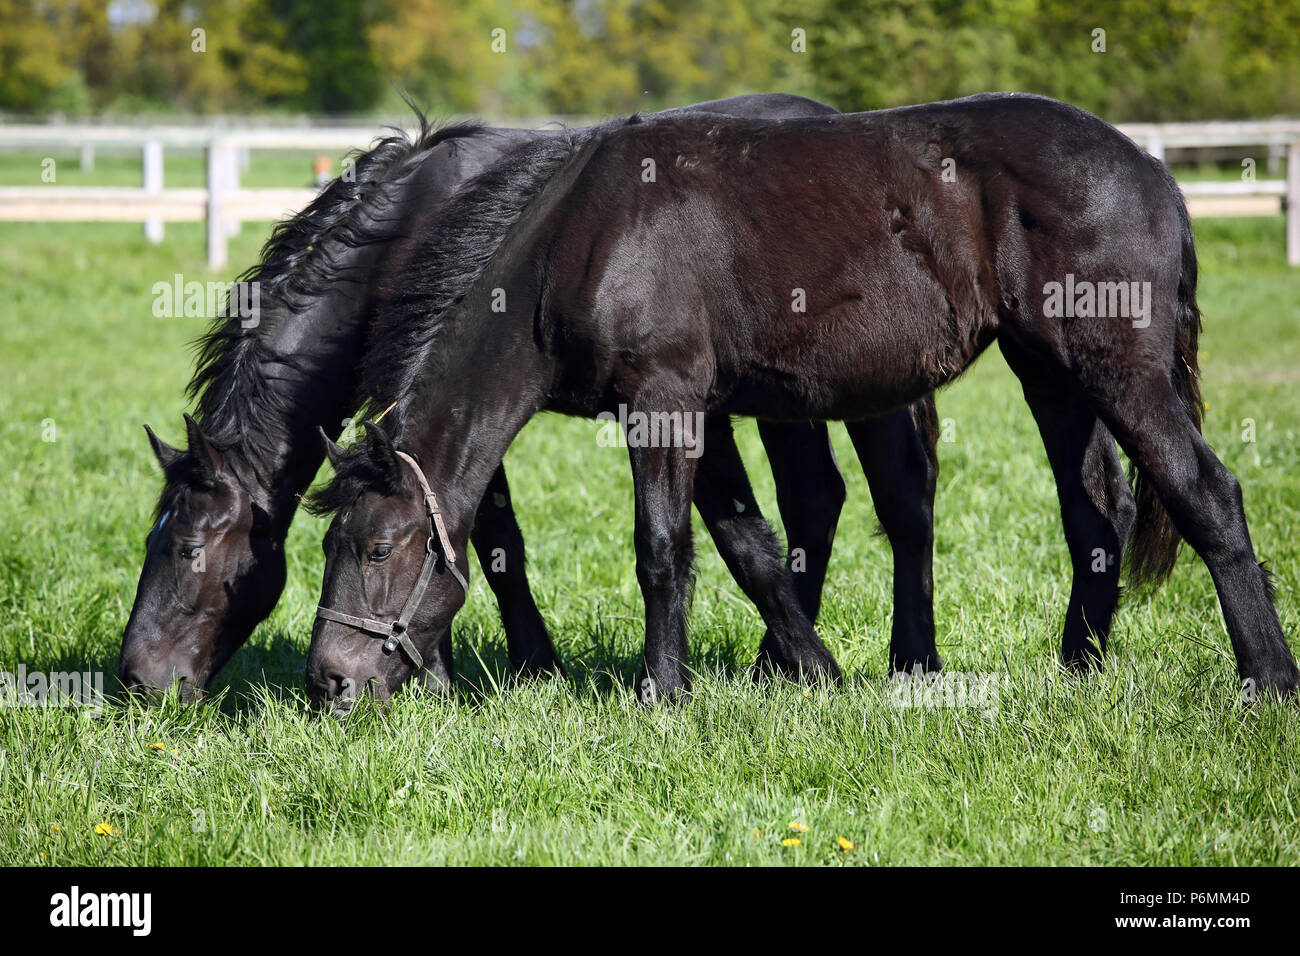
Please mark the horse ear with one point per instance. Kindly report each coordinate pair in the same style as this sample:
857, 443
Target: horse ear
207, 456
333, 450
382, 450
164, 452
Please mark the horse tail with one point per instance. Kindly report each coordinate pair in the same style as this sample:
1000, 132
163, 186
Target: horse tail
1153, 545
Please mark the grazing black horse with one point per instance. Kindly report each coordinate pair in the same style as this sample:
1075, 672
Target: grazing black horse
828, 268
264, 391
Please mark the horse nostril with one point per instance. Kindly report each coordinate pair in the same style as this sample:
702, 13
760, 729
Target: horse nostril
336, 685
132, 681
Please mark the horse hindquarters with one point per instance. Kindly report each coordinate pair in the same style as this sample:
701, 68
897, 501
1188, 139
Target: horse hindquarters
1138, 372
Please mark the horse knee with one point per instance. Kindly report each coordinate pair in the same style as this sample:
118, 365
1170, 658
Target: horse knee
1124, 514
1220, 518
661, 561
906, 522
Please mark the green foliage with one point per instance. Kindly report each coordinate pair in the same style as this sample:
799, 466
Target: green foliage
1163, 59
49, 52
330, 38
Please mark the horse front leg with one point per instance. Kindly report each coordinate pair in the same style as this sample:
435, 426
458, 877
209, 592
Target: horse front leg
500, 547
663, 478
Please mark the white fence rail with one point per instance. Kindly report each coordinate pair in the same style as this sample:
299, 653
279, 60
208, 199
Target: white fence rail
223, 205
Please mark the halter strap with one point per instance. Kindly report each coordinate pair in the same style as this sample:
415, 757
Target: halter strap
394, 634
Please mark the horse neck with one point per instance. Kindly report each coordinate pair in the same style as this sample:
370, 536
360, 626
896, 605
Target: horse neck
308, 368
485, 372
317, 392
491, 380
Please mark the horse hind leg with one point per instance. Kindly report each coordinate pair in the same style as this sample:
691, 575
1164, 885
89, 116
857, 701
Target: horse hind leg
1205, 502
749, 548
810, 493
1097, 506
898, 456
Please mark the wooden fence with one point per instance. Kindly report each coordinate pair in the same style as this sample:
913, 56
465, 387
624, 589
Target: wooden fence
223, 204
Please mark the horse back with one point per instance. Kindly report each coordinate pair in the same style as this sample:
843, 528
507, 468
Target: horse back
840, 265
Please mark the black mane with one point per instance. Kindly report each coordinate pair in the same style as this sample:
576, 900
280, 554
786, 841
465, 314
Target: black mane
451, 258
355, 472
235, 379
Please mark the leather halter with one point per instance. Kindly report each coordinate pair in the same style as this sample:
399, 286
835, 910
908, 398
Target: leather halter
394, 634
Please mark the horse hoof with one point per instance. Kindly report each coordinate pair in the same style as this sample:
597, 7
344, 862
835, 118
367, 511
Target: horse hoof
541, 670
651, 692
1282, 682
807, 669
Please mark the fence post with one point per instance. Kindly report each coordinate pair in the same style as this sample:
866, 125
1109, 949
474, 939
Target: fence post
1293, 203
1156, 146
1276, 157
233, 224
87, 157
152, 161
219, 153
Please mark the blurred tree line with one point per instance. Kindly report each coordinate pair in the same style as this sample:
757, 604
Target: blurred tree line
1159, 59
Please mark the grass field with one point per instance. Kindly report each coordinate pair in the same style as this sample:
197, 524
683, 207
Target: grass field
181, 169
1153, 763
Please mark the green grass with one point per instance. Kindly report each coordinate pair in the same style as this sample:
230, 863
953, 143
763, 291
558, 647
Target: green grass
1153, 763
181, 169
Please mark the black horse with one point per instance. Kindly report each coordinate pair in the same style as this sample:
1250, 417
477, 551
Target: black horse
264, 391
829, 268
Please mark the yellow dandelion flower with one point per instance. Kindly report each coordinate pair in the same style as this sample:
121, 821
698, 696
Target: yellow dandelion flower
846, 845
757, 833
157, 746
798, 827
56, 828
105, 829
791, 841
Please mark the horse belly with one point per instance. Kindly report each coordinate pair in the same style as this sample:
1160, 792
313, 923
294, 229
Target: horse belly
870, 350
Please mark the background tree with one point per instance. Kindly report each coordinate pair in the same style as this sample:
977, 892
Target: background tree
1163, 59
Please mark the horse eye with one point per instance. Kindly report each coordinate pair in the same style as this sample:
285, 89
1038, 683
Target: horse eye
190, 551
380, 552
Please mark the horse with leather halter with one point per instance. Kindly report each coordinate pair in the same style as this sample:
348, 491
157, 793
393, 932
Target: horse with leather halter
394, 633
264, 391
674, 296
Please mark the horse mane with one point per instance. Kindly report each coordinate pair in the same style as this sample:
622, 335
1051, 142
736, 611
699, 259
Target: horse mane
238, 402
421, 298
413, 309
356, 471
